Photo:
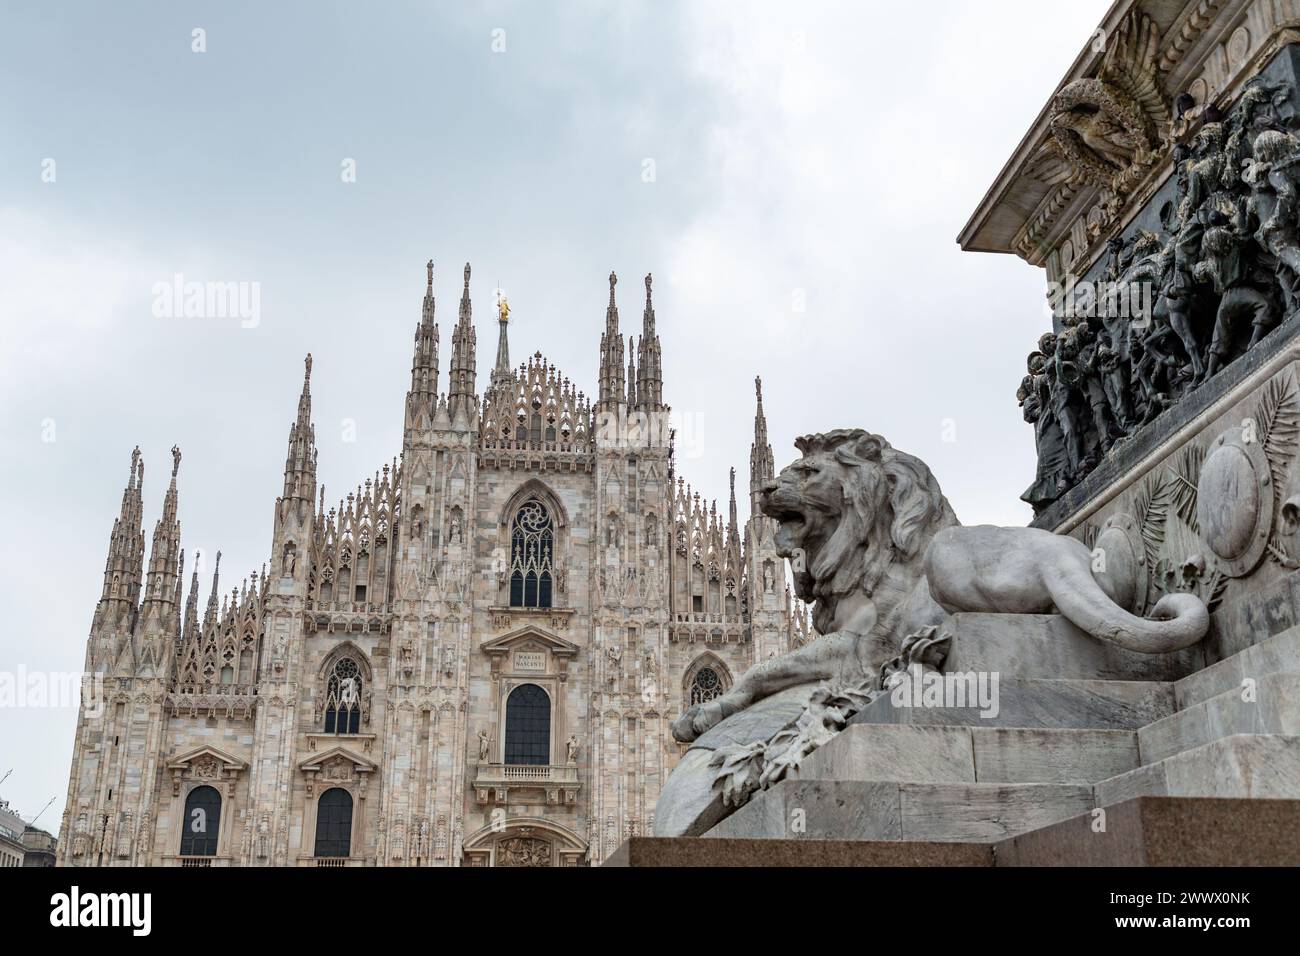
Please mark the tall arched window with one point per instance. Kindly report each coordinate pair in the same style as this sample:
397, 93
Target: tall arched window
705, 686
334, 823
202, 822
532, 555
343, 698
528, 725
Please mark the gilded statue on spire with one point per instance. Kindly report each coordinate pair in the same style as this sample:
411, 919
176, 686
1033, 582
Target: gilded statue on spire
503, 307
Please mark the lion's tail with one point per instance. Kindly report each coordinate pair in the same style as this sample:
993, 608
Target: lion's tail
1177, 620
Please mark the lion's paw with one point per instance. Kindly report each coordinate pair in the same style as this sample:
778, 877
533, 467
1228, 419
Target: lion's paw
698, 719
683, 727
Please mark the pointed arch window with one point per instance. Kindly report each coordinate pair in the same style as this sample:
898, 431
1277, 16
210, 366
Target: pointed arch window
334, 823
246, 661
532, 555
202, 822
343, 698
706, 684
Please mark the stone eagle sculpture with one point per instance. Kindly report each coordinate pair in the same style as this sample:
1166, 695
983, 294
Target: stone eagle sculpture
875, 546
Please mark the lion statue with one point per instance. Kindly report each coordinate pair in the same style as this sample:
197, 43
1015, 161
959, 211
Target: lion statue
875, 546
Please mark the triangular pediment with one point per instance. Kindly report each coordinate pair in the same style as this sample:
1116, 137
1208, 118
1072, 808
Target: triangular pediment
315, 762
521, 637
190, 756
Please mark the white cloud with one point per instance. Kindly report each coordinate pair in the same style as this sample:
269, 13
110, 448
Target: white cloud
60, 288
848, 147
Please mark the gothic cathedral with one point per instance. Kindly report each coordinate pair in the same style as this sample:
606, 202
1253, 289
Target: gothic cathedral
472, 660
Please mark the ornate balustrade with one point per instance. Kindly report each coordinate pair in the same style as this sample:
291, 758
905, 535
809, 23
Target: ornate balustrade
213, 699
492, 781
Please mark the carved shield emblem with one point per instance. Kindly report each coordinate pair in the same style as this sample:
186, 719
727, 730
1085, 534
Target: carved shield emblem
1234, 501
1120, 563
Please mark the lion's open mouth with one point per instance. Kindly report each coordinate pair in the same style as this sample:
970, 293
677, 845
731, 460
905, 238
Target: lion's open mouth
778, 502
790, 517
789, 530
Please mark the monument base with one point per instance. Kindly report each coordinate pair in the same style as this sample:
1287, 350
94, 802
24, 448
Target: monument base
1147, 831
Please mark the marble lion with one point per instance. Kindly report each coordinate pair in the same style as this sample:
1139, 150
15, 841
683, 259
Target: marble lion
875, 546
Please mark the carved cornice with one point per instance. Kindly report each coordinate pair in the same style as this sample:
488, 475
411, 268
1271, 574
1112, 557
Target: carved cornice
1184, 33
1109, 122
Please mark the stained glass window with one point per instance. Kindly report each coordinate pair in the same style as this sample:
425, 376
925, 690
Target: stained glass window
343, 698
532, 556
705, 685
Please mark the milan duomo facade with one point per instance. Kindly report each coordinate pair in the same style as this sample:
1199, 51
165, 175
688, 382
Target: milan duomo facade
471, 660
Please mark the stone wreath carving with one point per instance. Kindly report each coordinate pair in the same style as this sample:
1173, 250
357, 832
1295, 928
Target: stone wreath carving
1112, 126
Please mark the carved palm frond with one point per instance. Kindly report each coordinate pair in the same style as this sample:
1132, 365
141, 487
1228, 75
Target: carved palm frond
1278, 424
1151, 510
1277, 420
1213, 589
1184, 477
1279, 553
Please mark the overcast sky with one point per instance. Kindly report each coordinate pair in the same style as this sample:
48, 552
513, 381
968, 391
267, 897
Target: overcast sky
794, 175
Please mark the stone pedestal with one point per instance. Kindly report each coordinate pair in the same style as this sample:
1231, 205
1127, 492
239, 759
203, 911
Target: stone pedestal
1150, 831
1050, 751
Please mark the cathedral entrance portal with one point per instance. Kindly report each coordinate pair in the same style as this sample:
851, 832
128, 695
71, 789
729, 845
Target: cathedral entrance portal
525, 842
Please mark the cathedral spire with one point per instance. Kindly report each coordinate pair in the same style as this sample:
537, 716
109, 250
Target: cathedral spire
424, 363
124, 566
460, 396
164, 554
733, 524
611, 355
650, 384
501, 371
300, 463
190, 630
178, 596
631, 374
761, 468
210, 615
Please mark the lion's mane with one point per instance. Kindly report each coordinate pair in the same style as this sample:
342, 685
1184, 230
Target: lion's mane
890, 507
